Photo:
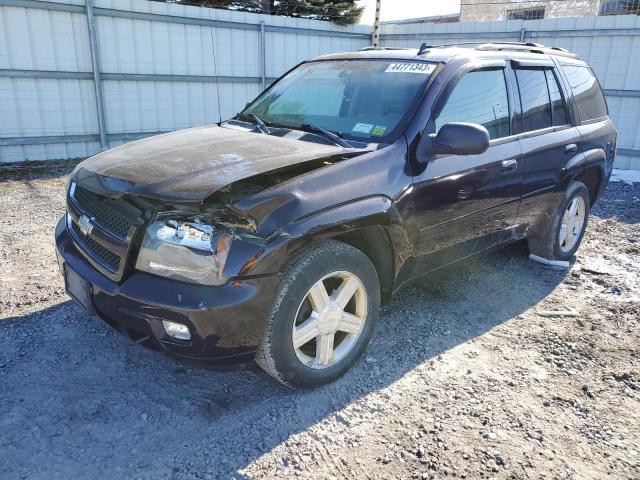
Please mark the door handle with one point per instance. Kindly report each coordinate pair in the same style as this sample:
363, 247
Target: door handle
571, 148
509, 165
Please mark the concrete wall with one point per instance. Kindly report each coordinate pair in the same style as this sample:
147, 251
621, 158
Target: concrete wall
489, 11
157, 69
610, 44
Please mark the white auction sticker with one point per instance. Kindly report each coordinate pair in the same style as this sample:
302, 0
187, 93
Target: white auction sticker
424, 68
362, 127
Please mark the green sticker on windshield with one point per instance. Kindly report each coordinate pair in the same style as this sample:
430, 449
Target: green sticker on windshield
378, 130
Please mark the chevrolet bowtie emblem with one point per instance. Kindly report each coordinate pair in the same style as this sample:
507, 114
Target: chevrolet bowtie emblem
85, 225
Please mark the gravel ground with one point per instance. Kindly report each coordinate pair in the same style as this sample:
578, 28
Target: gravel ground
473, 373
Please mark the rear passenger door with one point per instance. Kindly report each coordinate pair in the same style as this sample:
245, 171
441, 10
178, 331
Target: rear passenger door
548, 138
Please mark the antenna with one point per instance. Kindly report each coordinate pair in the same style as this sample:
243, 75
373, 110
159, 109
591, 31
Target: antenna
215, 68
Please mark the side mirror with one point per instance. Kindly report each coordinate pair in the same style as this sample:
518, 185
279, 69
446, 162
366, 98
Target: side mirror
457, 138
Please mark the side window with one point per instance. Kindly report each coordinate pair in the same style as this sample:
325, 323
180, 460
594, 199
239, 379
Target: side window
558, 110
586, 91
534, 95
479, 97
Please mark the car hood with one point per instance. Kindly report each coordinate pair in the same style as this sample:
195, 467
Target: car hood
189, 165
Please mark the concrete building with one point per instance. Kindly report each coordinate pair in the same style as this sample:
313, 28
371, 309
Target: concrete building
492, 10
496, 10
451, 18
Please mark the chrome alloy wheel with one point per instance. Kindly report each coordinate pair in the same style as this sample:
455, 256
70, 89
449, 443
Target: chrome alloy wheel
572, 224
329, 320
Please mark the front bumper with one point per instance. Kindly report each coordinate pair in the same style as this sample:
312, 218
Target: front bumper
226, 322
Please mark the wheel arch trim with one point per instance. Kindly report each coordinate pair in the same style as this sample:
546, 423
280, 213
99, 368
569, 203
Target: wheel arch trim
581, 163
586, 159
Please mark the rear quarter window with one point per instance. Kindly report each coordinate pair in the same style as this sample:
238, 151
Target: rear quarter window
586, 91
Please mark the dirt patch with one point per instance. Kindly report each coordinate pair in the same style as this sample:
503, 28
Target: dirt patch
470, 374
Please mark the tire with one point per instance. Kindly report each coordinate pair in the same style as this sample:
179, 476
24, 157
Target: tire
335, 265
552, 246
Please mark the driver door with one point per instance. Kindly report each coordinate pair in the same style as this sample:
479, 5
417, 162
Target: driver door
468, 203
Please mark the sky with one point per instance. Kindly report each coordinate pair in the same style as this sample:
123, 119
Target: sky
401, 9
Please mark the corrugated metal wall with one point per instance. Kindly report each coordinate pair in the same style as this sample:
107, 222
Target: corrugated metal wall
157, 66
610, 44
158, 71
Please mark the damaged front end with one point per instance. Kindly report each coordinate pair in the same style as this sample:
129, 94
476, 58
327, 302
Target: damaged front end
193, 236
195, 247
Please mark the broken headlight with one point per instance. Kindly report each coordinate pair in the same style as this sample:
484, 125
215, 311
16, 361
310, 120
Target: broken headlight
185, 250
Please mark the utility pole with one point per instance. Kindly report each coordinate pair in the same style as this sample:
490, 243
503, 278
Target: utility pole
375, 38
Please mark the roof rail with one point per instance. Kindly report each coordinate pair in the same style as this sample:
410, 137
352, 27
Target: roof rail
368, 49
500, 46
526, 47
424, 47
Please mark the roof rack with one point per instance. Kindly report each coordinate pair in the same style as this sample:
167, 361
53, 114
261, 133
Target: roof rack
527, 47
501, 46
424, 47
368, 49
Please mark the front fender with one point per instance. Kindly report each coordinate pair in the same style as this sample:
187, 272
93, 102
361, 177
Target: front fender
328, 223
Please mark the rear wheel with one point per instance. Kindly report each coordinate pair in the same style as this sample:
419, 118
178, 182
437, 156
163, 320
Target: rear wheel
322, 318
567, 228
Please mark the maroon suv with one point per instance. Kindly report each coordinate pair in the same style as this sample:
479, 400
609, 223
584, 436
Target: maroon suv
276, 234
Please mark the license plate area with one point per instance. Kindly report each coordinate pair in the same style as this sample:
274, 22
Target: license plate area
78, 288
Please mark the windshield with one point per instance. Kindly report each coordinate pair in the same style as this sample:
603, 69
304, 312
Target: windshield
357, 99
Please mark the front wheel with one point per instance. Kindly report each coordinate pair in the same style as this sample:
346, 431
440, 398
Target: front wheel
322, 318
567, 228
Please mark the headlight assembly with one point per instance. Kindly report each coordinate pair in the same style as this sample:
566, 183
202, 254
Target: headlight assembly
185, 250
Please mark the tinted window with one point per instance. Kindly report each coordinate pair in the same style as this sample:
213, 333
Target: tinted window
536, 109
479, 97
586, 91
558, 111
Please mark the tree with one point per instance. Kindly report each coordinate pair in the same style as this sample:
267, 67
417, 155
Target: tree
210, 3
267, 6
341, 12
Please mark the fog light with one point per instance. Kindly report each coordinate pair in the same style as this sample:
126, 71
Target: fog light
176, 330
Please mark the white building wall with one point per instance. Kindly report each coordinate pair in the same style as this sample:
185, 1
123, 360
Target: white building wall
59, 115
42, 40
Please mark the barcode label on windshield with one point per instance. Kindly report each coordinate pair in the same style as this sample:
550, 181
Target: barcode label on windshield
424, 68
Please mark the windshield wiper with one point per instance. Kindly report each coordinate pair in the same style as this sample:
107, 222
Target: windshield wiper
326, 133
258, 121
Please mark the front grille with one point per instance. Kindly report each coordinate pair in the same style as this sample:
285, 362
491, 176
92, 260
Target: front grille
110, 259
101, 209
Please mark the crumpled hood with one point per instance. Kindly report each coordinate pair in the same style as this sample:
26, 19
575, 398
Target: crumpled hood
189, 165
